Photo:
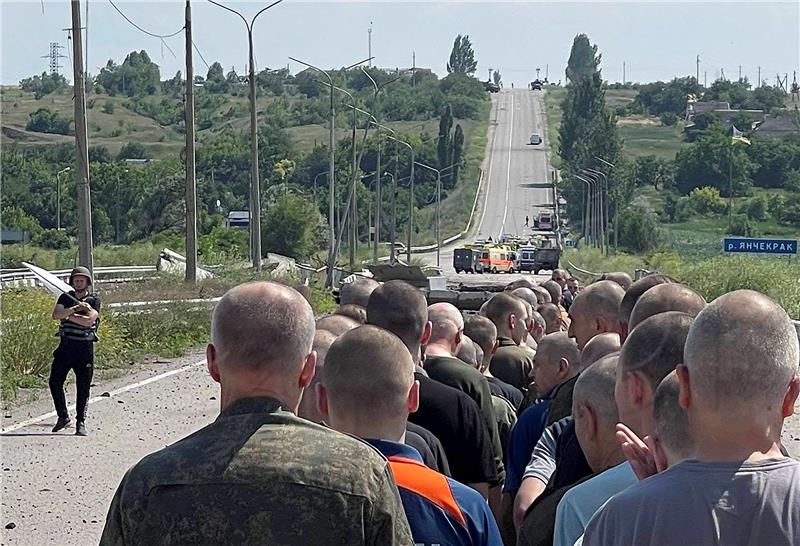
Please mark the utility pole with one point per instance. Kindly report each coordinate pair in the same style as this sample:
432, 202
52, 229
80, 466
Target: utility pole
369, 45
697, 77
413, 68
191, 182
378, 200
546, 71
722, 74
81, 144
740, 72
705, 79
393, 237
623, 72
86, 45
759, 76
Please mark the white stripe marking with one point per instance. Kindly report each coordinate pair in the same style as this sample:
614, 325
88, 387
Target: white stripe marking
113, 393
508, 168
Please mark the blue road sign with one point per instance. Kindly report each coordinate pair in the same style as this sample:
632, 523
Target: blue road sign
759, 246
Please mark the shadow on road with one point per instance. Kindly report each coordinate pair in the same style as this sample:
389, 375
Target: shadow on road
537, 185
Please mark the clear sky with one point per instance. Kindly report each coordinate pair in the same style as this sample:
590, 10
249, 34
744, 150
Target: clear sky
656, 40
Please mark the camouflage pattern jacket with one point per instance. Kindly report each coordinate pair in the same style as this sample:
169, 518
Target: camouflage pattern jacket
259, 475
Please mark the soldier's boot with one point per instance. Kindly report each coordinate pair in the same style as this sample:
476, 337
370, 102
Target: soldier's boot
80, 429
63, 422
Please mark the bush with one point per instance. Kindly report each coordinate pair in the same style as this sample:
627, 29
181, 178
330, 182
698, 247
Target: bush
109, 107
757, 208
707, 200
792, 181
133, 150
669, 119
290, 227
742, 226
638, 231
54, 239
45, 121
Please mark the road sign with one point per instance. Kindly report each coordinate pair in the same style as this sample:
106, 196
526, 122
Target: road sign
759, 246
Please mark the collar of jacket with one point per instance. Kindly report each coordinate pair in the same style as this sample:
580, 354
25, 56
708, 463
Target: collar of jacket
244, 406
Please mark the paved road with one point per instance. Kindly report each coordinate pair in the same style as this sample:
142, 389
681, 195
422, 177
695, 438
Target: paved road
516, 177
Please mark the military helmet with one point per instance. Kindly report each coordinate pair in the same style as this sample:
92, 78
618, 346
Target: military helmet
80, 271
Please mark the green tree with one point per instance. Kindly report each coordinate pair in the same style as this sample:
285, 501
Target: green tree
638, 230
136, 76
462, 57
584, 61
757, 208
714, 162
457, 153
45, 121
660, 98
742, 226
291, 227
650, 170
44, 84
443, 147
707, 200
133, 150
215, 80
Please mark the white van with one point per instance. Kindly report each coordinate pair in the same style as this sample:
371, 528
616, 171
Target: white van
536, 138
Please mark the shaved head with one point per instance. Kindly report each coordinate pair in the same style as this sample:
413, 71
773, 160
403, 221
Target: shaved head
526, 294
551, 315
262, 326
742, 352
542, 295
353, 311
557, 359
595, 310
481, 331
594, 396
635, 292
554, 347
666, 297
467, 353
446, 322
308, 405
554, 289
599, 346
670, 421
619, 277
338, 324
369, 369
400, 308
500, 309
357, 292
524, 282
655, 347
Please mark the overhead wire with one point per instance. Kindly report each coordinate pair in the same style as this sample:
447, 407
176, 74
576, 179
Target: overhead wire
154, 35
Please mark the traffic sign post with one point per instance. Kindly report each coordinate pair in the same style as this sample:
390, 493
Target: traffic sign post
759, 246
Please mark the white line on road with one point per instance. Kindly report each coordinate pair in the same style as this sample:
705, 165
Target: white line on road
508, 169
115, 392
489, 173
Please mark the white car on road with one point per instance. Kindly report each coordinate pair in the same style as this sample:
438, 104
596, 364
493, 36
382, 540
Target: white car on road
536, 138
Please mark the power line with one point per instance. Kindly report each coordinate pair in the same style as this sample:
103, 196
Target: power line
162, 36
200, 54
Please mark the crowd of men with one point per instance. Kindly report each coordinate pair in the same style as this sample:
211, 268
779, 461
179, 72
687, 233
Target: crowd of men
622, 413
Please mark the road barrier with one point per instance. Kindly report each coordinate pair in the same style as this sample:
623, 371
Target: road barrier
21, 278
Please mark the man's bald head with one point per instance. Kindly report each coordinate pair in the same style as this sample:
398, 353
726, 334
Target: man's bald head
666, 297
481, 331
262, 326
670, 421
596, 413
554, 347
619, 277
599, 346
353, 311
446, 323
467, 353
523, 282
505, 309
337, 324
542, 295
308, 408
357, 292
635, 292
528, 295
552, 317
655, 347
554, 289
742, 353
595, 310
401, 309
367, 375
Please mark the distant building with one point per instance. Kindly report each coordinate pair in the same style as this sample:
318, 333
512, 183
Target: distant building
727, 116
701, 107
238, 218
778, 126
138, 162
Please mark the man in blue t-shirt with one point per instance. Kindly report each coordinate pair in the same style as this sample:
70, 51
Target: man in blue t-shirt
369, 367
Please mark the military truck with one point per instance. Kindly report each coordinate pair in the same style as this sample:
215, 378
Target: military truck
535, 259
467, 260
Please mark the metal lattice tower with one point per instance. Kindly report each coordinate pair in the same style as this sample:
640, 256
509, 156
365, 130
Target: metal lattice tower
55, 57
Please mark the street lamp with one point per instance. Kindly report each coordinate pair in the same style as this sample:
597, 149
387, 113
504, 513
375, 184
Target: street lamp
410, 204
58, 197
331, 179
438, 205
255, 188
315, 185
587, 209
616, 207
598, 203
604, 205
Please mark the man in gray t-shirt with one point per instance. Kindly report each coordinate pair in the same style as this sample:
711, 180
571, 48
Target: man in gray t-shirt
739, 381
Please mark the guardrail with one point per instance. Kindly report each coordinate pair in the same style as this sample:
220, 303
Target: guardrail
18, 278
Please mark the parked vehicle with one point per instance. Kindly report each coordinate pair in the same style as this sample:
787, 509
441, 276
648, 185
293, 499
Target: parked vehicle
495, 260
544, 221
535, 259
536, 85
467, 260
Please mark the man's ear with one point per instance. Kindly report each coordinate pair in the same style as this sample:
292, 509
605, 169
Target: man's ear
413, 397
563, 367
623, 331
307, 373
211, 362
459, 337
511, 321
685, 393
426, 334
659, 454
322, 400
637, 390
588, 414
789, 399
600, 325
495, 346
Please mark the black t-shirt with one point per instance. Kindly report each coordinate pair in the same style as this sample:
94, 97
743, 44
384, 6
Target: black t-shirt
455, 419
561, 400
423, 439
505, 390
539, 526
571, 464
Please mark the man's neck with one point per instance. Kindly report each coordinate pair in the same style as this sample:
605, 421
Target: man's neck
437, 349
81, 294
506, 335
744, 442
613, 457
230, 396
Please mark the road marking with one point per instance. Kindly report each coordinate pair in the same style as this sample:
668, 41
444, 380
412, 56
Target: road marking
113, 393
508, 169
489, 174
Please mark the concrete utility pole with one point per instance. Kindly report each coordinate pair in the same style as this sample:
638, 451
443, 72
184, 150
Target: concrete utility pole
369, 44
255, 187
759, 76
81, 144
191, 181
697, 77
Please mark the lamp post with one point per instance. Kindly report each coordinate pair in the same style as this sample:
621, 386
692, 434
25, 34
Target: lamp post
255, 187
331, 176
410, 204
315, 185
58, 197
598, 203
438, 206
616, 207
604, 204
587, 210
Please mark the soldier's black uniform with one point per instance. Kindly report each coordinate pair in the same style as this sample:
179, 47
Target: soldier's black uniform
75, 352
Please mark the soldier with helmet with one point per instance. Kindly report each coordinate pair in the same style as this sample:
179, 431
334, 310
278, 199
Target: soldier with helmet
78, 312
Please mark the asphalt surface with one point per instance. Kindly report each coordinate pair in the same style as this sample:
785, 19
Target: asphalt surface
516, 180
